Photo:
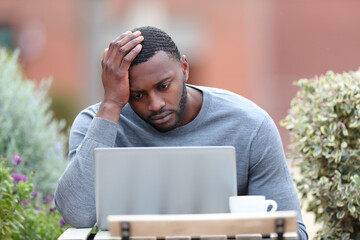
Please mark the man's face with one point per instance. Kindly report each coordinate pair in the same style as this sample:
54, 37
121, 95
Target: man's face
158, 92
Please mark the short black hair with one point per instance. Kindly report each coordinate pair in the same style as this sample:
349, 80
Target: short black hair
155, 40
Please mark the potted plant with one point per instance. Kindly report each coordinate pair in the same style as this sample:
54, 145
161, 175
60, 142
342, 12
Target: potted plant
324, 126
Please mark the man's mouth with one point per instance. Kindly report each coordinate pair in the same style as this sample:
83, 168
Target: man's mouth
161, 118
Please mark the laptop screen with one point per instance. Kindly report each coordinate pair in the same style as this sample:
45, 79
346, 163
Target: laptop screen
163, 180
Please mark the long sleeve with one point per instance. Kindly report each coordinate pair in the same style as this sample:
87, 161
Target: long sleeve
269, 174
75, 193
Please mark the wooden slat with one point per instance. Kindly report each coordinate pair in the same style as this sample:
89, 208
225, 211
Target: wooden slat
248, 236
105, 235
195, 225
143, 238
287, 236
75, 234
213, 237
177, 238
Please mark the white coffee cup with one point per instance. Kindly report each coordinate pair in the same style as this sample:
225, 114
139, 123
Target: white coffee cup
251, 204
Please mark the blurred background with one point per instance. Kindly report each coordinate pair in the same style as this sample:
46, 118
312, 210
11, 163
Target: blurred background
254, 48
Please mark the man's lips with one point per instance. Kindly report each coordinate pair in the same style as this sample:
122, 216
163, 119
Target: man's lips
161, 118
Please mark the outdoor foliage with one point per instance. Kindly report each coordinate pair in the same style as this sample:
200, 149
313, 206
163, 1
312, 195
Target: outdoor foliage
324, 124
23, 215
27, 126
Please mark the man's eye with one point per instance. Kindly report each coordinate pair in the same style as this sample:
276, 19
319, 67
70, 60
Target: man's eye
164, 86
137, 96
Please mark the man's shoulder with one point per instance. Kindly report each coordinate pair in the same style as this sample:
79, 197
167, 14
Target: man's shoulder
92, 109
235, 109
85, 116
214, 90
232, 101
223, 94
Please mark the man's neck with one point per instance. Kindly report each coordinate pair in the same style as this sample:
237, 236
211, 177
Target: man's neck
193, 104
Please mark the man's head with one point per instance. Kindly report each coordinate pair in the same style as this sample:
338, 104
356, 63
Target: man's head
155, 40
157, 81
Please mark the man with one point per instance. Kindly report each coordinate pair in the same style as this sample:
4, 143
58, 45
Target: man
147, 103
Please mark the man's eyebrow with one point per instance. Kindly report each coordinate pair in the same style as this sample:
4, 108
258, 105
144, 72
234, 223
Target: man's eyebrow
136, 91
162, 81
156, 84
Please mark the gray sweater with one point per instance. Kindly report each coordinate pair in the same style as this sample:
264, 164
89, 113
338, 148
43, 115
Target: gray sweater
225, 119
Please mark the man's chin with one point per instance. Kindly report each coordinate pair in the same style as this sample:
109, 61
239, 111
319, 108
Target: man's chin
164, 129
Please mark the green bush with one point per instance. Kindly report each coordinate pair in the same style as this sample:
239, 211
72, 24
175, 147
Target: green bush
27, 126
324, 125
23, 215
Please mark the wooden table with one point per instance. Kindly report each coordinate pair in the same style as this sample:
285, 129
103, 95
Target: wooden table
84, 234
193, 226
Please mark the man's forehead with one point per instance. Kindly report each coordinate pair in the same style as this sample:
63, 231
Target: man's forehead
159, 64
159, 56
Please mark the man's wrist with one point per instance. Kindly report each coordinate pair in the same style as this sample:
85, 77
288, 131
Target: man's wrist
110, 110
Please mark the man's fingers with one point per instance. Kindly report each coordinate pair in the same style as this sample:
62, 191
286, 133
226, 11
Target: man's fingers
126, 49
128, 58
120, 46
105, 53
125, 34
122, 36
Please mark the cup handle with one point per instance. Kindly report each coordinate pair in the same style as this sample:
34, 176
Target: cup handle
271, 203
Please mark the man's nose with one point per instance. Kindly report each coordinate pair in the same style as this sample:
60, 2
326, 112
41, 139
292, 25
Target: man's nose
156, 102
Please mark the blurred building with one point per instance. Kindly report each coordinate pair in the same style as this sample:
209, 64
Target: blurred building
254, 48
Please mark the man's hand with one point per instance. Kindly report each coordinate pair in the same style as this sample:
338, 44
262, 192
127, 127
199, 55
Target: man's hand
115, 74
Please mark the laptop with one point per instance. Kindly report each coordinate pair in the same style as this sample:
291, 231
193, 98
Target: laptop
163, 180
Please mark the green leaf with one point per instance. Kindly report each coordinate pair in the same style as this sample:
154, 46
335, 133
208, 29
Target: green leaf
354, 123
348, 108
331, 138
345, 236
317, 151
343, 159
332, 127
285, 122
348, 227
351, 208
324, 130
340, 214
338, 158
357, 200
356, 179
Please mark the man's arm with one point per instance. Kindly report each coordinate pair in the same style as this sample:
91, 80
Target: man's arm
269, 174
75, 194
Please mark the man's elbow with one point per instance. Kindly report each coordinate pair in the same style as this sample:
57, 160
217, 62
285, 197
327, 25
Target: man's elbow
73, 216
80, 222
302, 233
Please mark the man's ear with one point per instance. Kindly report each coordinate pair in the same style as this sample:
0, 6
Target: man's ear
184, 67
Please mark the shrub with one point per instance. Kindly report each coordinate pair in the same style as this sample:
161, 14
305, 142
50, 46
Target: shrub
324, 125
27, 127
23, 215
